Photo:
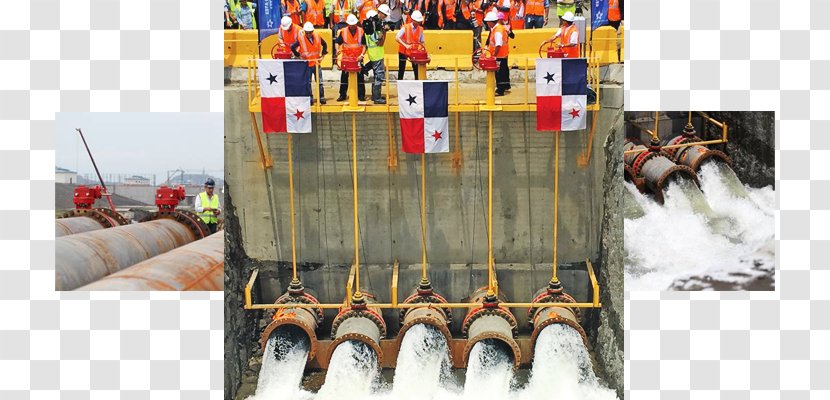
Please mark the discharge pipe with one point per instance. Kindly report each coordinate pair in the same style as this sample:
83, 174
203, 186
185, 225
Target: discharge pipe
693, 156
195, 266
651, 169
542, 317
297, 324
83, 258
486, 320
436, 316
360, 322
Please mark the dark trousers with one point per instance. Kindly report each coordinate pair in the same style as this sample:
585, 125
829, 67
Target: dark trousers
212, 227
402, 66
502, 76
344, 85
319, 81
615, 24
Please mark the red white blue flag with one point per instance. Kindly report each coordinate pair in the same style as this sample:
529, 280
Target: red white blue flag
561, 94
286, 96
423, 109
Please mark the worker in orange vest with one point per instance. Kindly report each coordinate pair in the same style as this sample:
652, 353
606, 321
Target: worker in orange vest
291, 8
363, 7
536, 13
457, 14
498, 42
288, 31
615, 13
340, 9
434, 15
478, 8
410, 35
569, 35
314, 13
410, 6
351, 44
517, 15
309, 46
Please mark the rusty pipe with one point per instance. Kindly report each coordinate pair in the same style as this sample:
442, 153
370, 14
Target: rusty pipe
297, 321
654, 168
87, 257
360, 322
86, 220
489, 321
195, 266
542, 317
693, 156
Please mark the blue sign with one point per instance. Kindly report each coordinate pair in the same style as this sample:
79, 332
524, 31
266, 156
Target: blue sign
599, 9
269, 13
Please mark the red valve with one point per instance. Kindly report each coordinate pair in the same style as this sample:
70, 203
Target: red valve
280, 52
84, 196
552, 51
167, 198
483, 59
418, 54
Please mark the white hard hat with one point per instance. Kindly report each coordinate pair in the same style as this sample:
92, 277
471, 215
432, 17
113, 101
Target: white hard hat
371, 13
569, 16
308, 27
417, 16
351, 19
384, 9
285, 22
491, 16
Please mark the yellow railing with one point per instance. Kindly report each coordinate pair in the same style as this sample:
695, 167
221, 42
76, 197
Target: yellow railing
468, 104
719, 124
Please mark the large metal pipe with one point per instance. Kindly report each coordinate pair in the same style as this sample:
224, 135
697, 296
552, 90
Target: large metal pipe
295, 321
693, 156
87, 257
542, 317
438, 317
195, 266
87, 220
489, 321
654, 168
360, 322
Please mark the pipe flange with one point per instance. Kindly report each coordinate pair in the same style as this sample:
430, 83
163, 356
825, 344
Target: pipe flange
370, 314
674, 154
360, 338
294, 321
557, 320
305, 298
443, 328
628, 173
104, 216
546, 298
433, 298
514, 347
641, 159
709, 154
497, 311
187, 218
661, 182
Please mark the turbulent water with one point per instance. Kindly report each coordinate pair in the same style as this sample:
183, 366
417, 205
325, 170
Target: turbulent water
562, 370
282, 368
722, 238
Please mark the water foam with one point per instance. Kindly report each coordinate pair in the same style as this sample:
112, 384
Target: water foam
423, 363
283, 363
352, 373
676, 241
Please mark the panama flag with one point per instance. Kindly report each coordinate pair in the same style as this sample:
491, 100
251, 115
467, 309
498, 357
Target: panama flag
561, 94
423, 112
286, 96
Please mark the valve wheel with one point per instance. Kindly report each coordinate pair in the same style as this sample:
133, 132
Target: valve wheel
479, 53
543, 48
278, 46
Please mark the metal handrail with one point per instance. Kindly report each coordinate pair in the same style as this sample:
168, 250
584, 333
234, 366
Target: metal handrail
724, 136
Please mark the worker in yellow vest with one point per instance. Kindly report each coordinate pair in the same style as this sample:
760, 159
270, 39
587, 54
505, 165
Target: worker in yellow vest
569, 34
207, 206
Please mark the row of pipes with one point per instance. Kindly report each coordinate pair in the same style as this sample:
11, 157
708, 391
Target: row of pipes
651, 167
170, 249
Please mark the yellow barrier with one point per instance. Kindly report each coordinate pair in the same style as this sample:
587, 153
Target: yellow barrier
604, 45
444, 47
622, 41
240, 45
524, 47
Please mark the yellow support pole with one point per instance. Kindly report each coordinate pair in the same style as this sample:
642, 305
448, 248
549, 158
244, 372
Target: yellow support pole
554, 278
291, 205
490, 289
358, 296
490, 93
352, 89
421, 70
266, 158
423, 221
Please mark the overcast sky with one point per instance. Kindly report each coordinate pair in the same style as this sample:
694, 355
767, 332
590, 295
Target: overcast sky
141, 143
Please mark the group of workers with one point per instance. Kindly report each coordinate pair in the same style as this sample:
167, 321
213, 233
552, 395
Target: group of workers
359, 30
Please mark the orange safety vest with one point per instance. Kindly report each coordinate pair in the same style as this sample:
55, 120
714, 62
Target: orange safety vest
365, 7
449, 9
478, 12
293, 10
345, 9
504, 49
517, 15
535, 7
613, 10
310, 50
465, 9
314, 12
573, 51
351, 42
290, 36
411, 35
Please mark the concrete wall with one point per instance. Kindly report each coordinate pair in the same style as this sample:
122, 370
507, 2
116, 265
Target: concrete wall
389, 200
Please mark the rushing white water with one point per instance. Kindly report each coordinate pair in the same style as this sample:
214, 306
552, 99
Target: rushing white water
423, 362
489, 372
562, 368
352, 373
676, 241
283, 363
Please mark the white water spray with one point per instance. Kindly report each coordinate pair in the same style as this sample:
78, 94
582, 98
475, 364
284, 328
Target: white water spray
352, 373
282, 368
489, 371
423, 362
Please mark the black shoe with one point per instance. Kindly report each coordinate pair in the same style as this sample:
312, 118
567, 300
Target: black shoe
341, 98
362, 98
322, 101
499, 93
379, 101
